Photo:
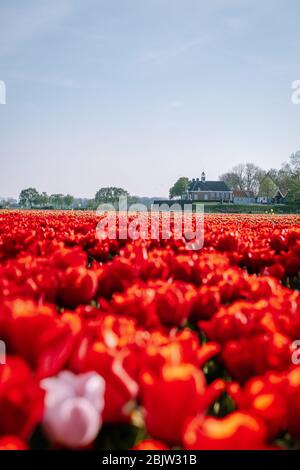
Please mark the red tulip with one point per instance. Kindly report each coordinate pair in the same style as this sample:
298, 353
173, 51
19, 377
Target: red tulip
21, 399
150, 444
12, 443
237, 431
79, 286
173, 395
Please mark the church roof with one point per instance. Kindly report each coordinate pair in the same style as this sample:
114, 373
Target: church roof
198, 185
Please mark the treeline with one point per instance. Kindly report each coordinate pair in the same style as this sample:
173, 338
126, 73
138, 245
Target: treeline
250, 177
30, 198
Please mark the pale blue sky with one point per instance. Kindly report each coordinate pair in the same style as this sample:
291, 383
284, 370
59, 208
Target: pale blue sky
136, 93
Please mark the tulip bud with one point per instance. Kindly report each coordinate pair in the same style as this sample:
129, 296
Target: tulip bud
73, 408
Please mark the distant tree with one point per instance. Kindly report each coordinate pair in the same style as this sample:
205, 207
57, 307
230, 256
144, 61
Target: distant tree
57, 200
179, 187
68, 200
29, 198
267, 187
109, 194
243, 177
252, 177
232, 180
295, 163
32, 198
91, 204
274, 174
288, 178
281, 177
43, 199
240, 171
293, 195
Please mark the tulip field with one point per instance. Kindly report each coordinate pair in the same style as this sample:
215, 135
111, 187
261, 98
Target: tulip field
144, 344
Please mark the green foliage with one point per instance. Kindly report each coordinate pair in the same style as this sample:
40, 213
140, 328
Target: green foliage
109, 194
56, 200
68, 200
29, 198
294, 190
179, 187
267, 187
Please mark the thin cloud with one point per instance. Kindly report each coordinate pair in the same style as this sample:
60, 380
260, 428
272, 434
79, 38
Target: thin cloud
230, 25
165, 54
